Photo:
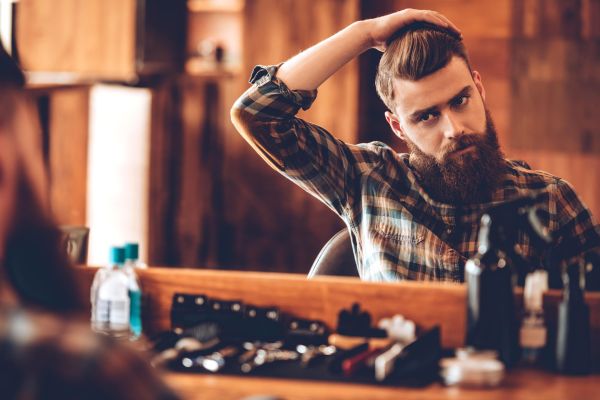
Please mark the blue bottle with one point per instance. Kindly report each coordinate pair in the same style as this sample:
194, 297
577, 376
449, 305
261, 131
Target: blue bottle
135, 289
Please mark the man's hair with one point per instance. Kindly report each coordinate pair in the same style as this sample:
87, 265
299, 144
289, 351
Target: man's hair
10, 73
413, 52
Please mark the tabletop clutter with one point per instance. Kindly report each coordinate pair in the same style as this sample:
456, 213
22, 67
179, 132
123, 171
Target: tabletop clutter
212, 335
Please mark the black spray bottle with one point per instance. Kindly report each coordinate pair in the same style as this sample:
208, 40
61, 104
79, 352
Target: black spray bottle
491, 318
573, 344
490, 276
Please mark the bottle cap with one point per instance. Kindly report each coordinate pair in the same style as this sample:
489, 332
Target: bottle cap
132, 251
117, 255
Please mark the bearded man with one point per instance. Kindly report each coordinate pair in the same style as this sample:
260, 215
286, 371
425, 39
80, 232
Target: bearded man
410, 216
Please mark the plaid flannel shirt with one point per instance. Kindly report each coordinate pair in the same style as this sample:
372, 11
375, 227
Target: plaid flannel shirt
398, 231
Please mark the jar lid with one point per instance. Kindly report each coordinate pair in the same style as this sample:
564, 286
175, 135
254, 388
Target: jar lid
473, 368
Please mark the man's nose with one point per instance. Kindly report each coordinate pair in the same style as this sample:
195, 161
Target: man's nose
451, 126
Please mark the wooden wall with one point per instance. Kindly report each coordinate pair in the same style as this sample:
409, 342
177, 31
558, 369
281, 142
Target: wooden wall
216, 204
266, 222
63, 112
68, 154
555, 90
91, 38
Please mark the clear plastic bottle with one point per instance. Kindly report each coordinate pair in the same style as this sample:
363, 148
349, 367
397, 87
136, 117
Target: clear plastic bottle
135, 289
112, 306
99, 317
533, 328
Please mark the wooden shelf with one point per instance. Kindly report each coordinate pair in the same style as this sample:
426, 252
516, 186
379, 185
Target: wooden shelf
43, 81
202, 68
232, 6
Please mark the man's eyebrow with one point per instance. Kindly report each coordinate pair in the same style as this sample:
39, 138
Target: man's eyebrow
462, 92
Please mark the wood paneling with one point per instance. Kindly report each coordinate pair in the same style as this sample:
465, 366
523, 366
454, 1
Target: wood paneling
475, 18
555, 87
165, 172
187, 219
271, 224
68, 149
225, 208
200, 211
92, 37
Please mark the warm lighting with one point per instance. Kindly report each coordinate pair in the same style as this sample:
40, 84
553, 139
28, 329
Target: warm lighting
118, 169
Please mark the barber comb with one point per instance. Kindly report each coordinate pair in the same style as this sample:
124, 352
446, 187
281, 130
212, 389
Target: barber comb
306, 331
262, 324
188, 310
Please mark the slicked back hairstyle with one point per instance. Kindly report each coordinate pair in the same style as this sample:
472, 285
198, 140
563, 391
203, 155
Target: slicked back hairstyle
413, 52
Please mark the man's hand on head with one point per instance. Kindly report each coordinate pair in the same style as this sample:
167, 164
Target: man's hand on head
382, 28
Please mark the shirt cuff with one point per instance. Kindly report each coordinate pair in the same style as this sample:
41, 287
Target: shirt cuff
265, 76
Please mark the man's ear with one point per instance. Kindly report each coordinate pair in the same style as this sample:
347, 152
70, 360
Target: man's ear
394, 123
478, 83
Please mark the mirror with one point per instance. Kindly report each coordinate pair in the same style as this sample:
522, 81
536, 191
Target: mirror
199, 196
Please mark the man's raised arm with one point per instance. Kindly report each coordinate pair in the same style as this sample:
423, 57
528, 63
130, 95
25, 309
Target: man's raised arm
309, 69
265, 115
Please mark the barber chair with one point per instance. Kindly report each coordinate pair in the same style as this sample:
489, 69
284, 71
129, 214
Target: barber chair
335, 258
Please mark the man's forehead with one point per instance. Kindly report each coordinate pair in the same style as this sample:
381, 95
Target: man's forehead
434, 89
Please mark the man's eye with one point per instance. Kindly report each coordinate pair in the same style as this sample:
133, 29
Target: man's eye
461, 101
426, 117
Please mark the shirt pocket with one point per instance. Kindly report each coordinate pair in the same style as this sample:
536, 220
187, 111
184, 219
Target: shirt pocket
400, 232
407, 250
397, 248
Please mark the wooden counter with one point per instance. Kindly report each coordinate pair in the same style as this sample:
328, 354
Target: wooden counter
426, 304
518, 385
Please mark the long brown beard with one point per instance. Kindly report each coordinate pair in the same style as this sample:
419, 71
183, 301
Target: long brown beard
469, 178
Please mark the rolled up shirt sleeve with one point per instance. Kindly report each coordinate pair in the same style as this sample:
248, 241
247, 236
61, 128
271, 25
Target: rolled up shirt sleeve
307, 154
577, 231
